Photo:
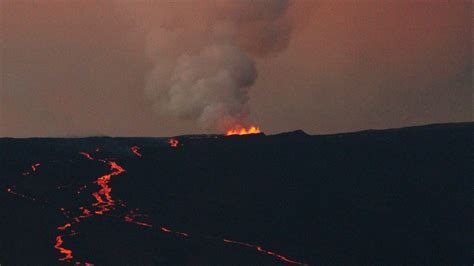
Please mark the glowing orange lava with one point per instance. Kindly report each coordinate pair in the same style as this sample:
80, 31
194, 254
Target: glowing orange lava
10, 190
228, 241
243, 131
34, 167
64, 226
67, 252
173, 143
104, 203
168, 231
136, 151
103, 197
87, 155
131, 216
261, 249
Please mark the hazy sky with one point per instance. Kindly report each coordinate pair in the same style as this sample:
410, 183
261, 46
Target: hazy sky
160, 68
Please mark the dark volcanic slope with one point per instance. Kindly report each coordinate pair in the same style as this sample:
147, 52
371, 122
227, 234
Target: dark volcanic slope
374, 197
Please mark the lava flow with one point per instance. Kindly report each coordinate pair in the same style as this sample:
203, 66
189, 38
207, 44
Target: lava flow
103, 197
34, 167
136, 151
261, 249
10, 190
87, 155
131, 217
243, 131
67, 252
104, 203
228, 241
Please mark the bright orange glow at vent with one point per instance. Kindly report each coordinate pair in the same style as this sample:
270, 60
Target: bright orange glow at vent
173, 143
243, 131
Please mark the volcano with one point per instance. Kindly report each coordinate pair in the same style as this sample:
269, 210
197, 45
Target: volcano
397, 196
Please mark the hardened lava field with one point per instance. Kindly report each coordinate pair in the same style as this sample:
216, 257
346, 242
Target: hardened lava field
290, 199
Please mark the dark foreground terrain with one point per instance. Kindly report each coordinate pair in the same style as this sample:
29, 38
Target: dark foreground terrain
374, 197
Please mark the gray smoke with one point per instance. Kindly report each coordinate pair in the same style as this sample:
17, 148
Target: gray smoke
202, 55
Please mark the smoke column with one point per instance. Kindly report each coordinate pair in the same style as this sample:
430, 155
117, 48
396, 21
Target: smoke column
202, 55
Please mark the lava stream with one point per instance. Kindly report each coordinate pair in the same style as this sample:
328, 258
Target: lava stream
136, 151
130, 218
167, 230
34, 167
67, 252
11, 191
103, 197
64, 226
261, 249
104, 203
87, 155
228, 241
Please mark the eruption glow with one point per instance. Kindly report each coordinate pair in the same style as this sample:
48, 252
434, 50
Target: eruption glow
173, 143
243, 131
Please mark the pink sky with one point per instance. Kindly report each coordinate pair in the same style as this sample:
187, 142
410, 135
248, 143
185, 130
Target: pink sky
79, 69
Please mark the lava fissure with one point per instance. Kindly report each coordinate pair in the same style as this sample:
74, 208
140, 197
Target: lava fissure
243, 131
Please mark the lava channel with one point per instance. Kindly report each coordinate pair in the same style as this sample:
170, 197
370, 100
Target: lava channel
67, 252
103, 203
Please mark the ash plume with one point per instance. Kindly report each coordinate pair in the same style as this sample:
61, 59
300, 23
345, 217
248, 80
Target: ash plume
202, 55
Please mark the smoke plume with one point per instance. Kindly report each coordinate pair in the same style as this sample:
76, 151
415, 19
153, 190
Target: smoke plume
202, 55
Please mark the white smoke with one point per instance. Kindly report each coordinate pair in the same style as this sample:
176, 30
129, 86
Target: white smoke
203, 53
